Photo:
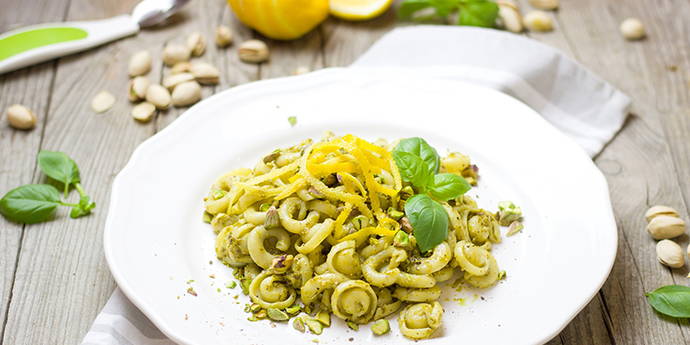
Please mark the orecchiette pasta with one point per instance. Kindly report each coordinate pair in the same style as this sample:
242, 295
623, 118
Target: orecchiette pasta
324, 223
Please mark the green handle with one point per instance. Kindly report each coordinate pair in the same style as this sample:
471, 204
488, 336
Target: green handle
27, 40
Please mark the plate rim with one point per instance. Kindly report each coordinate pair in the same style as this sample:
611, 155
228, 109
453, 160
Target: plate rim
317, 77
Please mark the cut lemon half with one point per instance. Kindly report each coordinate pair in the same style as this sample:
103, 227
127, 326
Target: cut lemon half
359, 9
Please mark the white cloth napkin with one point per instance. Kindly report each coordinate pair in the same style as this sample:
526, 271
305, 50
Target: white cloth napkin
573, 99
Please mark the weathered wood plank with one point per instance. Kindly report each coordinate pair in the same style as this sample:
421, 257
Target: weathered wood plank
287, 56
593, 31
62, 280
30, 87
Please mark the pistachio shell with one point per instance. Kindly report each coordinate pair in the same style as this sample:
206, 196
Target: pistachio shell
158, 96
196, 44
670, 254
140, 63
664, 227
186, 94
538, 21
137, 88
659, 210
510, 16
176, 79
20, 117
301, 70
103, 101
143, 111
174, 53
633, 29
545, 4
253, 51
223, 36
181, 67
205, 73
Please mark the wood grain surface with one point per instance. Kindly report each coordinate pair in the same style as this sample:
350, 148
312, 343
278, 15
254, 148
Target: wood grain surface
53, 276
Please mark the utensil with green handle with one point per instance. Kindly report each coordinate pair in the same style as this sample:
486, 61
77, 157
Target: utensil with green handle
30, 45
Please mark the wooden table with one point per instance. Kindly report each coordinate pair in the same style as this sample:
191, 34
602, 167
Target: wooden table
54, 278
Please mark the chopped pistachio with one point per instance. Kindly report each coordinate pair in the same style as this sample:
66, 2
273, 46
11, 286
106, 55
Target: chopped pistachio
395, 214
501, 275
254, 308
261, 314
293, 309
514, 228
401, 239
324, 317
292, 120
508, 212
298, 324
405, 225
380, 327
218, 289
207, 217
217, 194
353, 326
252, 318
277, 314
231, 284
244, 284
247, 308
406, 192
272, 219
264, 207
314, 326
281, 263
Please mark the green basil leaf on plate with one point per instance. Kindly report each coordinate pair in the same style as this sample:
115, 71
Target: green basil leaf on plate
419, 147
29, 204
671, 300
413, 169
448, 186
480, 13
428, 219
59, 167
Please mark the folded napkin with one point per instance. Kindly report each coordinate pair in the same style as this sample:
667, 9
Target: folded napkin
570, 97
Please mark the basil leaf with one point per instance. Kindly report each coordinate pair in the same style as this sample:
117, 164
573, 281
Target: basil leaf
83, 208
444, 7
409, 7
448, 186
412, 169
478, 13
428, 219
671, 300
420, 148
59, 167
29, 204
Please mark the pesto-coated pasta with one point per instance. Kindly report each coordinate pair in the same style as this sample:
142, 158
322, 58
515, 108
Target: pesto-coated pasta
323, 223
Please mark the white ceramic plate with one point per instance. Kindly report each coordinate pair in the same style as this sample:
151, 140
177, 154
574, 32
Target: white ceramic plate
155, 240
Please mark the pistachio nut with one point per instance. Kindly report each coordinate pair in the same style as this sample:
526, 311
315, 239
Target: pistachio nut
181, 67
223, 36
253, 51
103, 101
663, 227
633, 29
186, 94
659, 210
140, 63
196, 44
298, 324
538, 21
670, 254
204, 73
21, 117
548, 5
510, 16
173, 80
137, 88
174, 53
143, 112
158, 96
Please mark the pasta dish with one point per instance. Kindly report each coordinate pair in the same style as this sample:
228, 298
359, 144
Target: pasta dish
357, 229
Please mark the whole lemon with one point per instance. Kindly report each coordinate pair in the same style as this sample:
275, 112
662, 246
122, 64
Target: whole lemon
281, 19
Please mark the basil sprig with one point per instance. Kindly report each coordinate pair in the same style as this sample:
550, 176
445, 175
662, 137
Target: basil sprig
418, 164
429, 221
35, 203
481, 13
671, 300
